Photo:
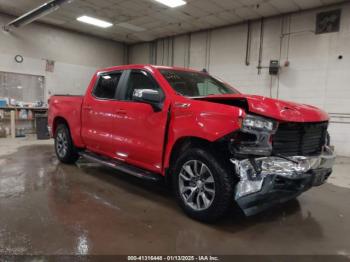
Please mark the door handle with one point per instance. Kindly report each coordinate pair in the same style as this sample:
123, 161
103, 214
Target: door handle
120, 112
87, 107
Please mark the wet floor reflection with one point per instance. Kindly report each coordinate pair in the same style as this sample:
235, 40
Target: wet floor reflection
50, 208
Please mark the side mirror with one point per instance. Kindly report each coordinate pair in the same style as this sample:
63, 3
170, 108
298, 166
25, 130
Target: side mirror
149, 96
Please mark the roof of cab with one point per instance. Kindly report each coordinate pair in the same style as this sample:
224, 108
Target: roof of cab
145, 66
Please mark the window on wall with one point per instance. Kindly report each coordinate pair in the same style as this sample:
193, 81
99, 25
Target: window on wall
21, 87
107, 86
328, 22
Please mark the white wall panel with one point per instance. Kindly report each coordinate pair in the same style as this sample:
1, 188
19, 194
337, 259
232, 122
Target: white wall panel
76, 56
164, 50
181, 45
140, 54
198, 50
63, 81
66, 78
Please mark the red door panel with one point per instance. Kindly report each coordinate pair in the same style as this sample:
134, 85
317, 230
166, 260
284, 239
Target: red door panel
99, 111
141, 133
97, 123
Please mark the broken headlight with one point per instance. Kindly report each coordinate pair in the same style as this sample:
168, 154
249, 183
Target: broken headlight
254, 138
251, 122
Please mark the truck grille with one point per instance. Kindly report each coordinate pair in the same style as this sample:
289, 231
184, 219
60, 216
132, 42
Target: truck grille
299, 139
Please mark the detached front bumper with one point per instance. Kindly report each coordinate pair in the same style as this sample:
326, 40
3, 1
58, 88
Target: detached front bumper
266, 181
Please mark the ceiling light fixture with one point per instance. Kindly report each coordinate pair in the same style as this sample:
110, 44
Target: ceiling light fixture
35, 14
94, 21
172, 3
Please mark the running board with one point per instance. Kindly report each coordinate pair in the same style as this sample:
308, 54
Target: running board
120, 166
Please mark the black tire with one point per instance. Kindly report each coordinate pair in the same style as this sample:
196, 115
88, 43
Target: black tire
66, 152
223, 185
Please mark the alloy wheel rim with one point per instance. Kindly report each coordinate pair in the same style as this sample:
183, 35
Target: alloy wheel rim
197, 185
62, 144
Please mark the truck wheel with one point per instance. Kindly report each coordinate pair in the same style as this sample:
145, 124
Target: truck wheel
203, 186
64, 147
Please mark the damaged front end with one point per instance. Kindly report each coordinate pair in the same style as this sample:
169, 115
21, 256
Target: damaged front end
266, 181
276, 164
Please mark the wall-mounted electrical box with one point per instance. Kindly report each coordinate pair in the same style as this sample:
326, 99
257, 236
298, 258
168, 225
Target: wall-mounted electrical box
274, 67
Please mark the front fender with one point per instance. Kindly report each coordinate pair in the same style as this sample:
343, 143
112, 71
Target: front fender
203, 120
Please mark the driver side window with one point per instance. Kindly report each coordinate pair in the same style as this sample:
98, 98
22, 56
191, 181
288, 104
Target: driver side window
139, 80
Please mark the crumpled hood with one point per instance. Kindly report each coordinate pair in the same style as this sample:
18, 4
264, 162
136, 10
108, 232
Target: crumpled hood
275, 108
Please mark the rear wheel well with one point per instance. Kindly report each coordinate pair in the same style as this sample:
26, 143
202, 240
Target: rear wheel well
57, 121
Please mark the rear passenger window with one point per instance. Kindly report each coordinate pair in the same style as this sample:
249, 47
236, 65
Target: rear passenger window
107, 86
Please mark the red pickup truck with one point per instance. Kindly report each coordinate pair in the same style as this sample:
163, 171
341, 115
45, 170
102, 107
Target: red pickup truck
213, 144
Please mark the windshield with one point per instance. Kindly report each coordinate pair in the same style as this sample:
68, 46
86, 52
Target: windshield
194, 84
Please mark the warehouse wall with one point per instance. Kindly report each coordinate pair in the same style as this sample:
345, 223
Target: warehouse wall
76, 56
140, 53
315, 75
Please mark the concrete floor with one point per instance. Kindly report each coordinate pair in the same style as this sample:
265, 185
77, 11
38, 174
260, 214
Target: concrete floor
50, 208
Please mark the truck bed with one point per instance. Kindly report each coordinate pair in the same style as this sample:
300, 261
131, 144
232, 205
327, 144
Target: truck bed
69, 108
